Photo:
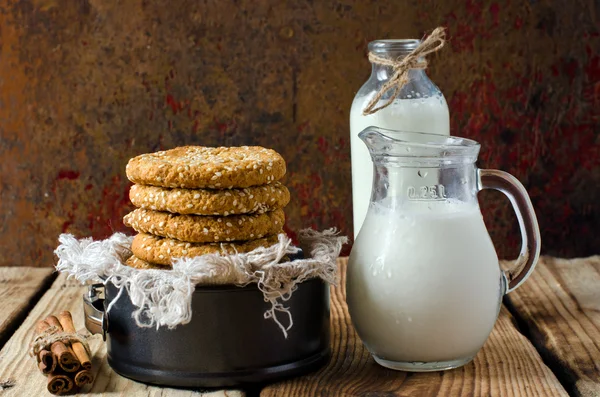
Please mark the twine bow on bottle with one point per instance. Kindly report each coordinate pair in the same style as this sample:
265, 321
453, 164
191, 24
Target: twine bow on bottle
415, 60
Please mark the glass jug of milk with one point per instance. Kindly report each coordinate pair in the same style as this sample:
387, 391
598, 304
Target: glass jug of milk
419, 107
424, 286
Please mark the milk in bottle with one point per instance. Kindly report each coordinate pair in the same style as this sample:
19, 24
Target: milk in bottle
419, 107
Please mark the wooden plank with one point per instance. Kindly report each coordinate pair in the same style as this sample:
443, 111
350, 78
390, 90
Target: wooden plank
18, 369
20, 287
508, 365
560, 306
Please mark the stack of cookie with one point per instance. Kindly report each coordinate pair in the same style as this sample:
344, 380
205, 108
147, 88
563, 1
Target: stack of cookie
196, 200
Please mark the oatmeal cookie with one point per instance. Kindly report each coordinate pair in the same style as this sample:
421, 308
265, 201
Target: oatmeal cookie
205, 229
256, 199
194, 167
162, 251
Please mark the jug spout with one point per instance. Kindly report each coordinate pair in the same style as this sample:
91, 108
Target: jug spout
418, 146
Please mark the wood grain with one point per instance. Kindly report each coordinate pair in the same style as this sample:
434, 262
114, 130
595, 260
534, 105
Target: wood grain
17, 368
507, 365
560, 306
19, 288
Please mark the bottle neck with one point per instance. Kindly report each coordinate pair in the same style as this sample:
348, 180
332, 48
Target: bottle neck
418, 85
393, 50
384, 73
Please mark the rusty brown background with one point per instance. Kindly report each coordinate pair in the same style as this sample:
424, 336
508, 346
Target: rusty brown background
85, 85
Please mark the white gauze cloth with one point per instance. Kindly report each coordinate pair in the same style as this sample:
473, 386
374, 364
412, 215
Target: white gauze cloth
164, 297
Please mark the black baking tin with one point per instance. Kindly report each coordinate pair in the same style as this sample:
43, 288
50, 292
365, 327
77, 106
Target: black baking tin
228, 341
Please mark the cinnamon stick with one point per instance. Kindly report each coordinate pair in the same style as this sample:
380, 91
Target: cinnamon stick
47, 363
84, 377
64, 355
66, 321
59, 384
46, 360
41, 326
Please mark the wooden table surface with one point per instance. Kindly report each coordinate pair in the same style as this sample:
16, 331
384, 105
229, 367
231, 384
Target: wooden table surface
546, 343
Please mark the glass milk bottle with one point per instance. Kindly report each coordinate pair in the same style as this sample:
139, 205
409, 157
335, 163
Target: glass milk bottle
419, 107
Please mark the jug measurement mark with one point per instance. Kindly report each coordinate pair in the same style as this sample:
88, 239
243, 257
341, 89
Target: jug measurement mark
427, 193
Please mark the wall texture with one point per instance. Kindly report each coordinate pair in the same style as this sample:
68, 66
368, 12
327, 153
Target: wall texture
85, 85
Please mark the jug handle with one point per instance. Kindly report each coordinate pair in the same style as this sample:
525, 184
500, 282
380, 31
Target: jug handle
530, 231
